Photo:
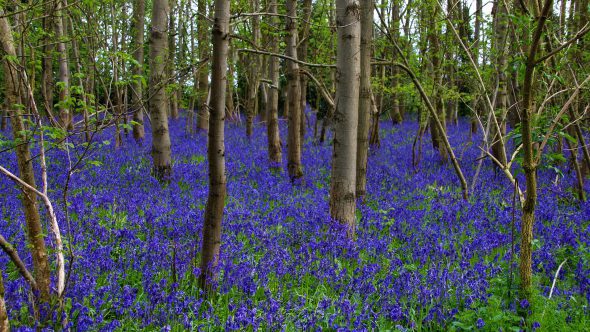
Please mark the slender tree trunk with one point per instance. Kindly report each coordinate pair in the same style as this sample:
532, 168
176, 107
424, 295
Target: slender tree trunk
137, 86
118, 101
83, 96
294, 96
272, 105
364, 110
47, 62
302, 55
35, 234
216, 148
171, 63
4, 323
435, 132
253, 73
343, 180
576, 166
529, 163
229, 94
202, 32
158, 106
476, 45
64, 71
500, 41
394, 111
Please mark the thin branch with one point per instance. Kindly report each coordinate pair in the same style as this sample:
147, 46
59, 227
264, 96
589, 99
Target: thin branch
286, 57
578, 35
20, 265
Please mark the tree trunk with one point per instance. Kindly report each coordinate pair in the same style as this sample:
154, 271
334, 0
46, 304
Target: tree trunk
272, 105
64, 71
216, 148
364, 110
435, 132
294, 96
529, 163
171, 63
47, 62
4, 323
118, 101
158, 106
498, 127
253, 75
394, 111
35, 232
476, 44
137, 86
302, 55
343, 183
202, 32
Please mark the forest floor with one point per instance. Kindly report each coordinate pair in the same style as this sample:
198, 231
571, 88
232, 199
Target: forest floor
423, 259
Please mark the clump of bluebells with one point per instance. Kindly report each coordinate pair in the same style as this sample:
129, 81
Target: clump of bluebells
424, 258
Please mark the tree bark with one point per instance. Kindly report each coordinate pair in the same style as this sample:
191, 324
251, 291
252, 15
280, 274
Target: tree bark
253, 73
272, 105
158, 106
436, 132
394, 111
171, 63
47, 62
203, 79
343, 180
35, 232
294, 167
302, 55
64, 71
529, 162
4, 323
137, 86
216, 148
500, 41
364, 110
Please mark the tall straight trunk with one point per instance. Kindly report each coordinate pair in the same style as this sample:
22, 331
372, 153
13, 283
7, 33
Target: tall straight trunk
253, 75
171, 63
137, 86
272, 105
203, 79
435, 132
294, 96
500, 43
158, 106
229, 94
573, 148
4, 323
47, 62
3, 119
302, 55
530, 164
35, 233
476, 45
84, 96
64, 70
343, 183
216, 148
364, 110
117, 103
394, 111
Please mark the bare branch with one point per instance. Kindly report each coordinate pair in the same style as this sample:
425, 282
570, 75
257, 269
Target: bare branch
15, 258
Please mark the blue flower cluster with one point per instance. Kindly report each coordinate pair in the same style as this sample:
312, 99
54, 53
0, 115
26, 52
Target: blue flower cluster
422, 253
